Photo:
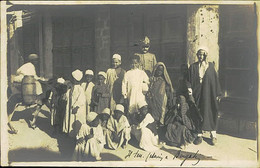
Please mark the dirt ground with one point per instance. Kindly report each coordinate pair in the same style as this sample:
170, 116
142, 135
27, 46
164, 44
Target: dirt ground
42, 145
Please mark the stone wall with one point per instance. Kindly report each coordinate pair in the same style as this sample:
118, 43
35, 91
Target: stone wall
102, 38
203, 30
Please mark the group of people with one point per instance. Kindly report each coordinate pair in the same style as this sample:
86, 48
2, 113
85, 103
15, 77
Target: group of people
140, 103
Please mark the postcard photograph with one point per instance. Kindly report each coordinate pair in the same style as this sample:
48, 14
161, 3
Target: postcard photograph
130, 83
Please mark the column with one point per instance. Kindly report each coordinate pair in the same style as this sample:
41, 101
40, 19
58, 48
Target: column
102, 38
203, 30
47, 45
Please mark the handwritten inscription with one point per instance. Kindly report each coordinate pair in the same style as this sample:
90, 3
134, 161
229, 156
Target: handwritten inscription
160, 156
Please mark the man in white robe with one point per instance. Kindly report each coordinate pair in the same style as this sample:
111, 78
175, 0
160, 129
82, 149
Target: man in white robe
76, 105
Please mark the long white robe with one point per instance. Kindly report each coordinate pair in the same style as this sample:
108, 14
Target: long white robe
88, 94
92, 146
132, 87
121, 128
77, 100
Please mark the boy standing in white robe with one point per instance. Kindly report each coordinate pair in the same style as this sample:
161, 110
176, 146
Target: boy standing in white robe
87, 87
134, 83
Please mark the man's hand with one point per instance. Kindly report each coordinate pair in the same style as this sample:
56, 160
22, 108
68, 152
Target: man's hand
80, 140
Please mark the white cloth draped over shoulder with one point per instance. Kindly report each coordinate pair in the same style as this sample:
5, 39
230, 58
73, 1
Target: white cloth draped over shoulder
132, 87
28, 69
147, 140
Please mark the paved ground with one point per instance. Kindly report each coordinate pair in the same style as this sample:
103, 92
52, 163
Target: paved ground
41, 145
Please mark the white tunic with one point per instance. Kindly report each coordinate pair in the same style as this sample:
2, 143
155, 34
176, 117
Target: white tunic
132, 87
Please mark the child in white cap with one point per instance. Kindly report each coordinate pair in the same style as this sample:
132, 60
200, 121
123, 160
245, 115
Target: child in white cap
100, 94
144, 128
76, 104
115, 76
118, 129
88, 87
90, 139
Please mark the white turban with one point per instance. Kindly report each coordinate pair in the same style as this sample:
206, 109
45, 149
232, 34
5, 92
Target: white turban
103, 74
61, 80
204, 48
106, 111
77, 74
89, 72
117, 56
141, 104
91, 116
120, 107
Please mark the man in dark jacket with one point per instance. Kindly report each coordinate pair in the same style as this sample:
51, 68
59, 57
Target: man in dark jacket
206, 92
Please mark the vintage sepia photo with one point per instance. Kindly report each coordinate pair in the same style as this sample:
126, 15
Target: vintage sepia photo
130, 83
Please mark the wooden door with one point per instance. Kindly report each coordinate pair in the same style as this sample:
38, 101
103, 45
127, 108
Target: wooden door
165, 25
73, 40
238, 61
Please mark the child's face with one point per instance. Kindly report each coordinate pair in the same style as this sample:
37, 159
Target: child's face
89, 78
116, 63
104, 117
159, 70
117, 114
101, 79
135, 64
144, 110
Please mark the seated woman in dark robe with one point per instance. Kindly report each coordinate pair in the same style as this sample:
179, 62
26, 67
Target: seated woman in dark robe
180, 129
184, 120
